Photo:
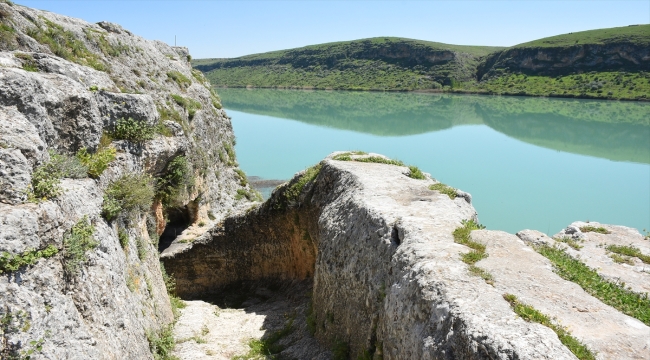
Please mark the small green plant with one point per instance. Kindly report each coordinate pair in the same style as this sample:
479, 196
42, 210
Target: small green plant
531, 314
620, 259
141, 246
232, 158
177, 176
243, 180
630, 250
129, 195
29, 64
15, 322
294, 191
170, 284
609, 292
250, 194
64, 43
97, 162
600, 230
444, 189
482, 273
201, 223
191, 105
93, 88
46, 178
123, 237
416, 173
76, 244
133, 130
161, 343
462, 236
12, 262
180, 79
570, 241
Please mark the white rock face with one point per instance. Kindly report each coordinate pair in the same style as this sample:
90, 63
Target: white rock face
56, 99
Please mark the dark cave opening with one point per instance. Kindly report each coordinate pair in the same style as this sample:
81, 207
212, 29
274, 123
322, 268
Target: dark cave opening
178, 219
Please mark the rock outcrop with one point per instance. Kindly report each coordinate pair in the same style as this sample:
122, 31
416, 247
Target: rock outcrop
563, 60
64, 84
388, 279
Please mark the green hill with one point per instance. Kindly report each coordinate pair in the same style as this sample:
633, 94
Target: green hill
604, 64
384, 63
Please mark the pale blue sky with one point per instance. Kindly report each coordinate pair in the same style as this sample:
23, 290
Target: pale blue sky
233, 28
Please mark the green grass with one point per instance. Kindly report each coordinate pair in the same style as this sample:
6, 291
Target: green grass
414, 171
620, 259
161, 343
136, 131
444, 189
600, 229
613, 85
268, 347
29, 64
129, 196
629, 250
65, 44
530, 314
46, 178
638, 35
611, 293
569, 241
176, 178
75, 245
180, 79
12, 262
478, 253
294, 190
97, 162
190, 105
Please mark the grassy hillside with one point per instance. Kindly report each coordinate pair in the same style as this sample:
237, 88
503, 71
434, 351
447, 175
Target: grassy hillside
384, 63
601, 64
638, 34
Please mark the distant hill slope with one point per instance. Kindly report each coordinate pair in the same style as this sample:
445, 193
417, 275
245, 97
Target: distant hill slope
614, 49
384, 63
605, 63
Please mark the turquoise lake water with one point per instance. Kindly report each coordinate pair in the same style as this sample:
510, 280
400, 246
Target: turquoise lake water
529, 163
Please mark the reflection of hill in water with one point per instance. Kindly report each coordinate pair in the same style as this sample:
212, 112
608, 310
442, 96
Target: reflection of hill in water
383, 114
607, 129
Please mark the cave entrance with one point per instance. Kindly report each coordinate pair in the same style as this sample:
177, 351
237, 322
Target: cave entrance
178, 219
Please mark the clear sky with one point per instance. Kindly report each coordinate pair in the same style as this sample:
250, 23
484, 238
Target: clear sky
234, 28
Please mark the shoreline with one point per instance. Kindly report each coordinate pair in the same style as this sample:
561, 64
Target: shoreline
437, 91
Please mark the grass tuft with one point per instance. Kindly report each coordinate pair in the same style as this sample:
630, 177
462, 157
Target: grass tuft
180, 79
310, 174
76, 244
130, 195
600, 230
630, 250
444, 189
97, 162
462, 236
161, 343
531, 314
570, 241
133, 130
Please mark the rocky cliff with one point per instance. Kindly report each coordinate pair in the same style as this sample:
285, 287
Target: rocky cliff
394, 279
564, 60
106, 140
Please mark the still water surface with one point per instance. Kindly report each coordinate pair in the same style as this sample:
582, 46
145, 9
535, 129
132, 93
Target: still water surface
528, 162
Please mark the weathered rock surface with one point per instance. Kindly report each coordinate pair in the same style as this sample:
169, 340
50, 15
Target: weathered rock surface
63, 98
520, 271
388, 279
